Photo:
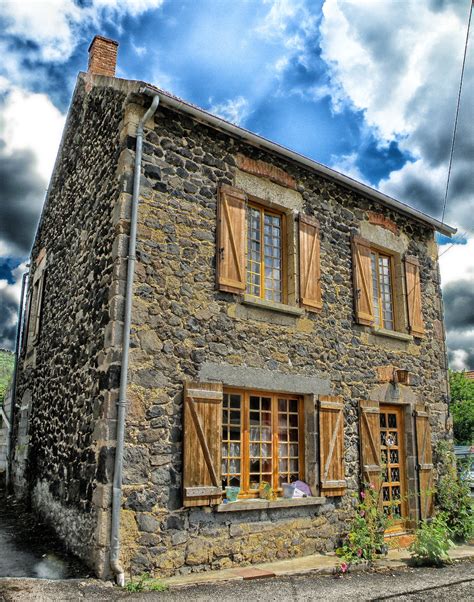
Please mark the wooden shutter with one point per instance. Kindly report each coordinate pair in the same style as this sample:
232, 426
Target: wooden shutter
202, 444
231, 232
38, 310
362, 275
310, 263
424, 460
26, 323
331, 446
412, 277
369, 432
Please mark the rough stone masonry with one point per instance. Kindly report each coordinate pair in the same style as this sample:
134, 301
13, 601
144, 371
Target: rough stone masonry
183, 328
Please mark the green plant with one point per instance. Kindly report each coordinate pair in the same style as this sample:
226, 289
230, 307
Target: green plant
366, 535
452, 496
462, 407
432, 542
145, 583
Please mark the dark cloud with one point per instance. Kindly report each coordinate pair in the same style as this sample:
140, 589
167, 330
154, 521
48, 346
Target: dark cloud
459, 302
21, 196
458, 299
9, 300
461, 349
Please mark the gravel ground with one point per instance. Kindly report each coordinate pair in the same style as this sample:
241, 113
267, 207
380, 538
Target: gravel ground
455, 582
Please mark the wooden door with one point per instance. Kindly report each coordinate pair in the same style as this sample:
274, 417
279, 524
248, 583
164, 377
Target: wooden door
392, 453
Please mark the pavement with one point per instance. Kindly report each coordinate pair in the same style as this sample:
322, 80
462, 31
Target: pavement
453, 582
35, 566
315, 564
29, 548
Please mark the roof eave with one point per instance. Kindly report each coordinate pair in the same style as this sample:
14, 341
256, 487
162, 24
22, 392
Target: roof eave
259, 141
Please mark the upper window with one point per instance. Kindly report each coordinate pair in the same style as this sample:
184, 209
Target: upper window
382, 289
262, 440
264, 254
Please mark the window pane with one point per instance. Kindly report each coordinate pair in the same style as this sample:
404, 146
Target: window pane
272, 253
254, 252
385, 291
231, 439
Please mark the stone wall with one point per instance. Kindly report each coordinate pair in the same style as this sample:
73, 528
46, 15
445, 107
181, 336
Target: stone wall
183, 328
64, 452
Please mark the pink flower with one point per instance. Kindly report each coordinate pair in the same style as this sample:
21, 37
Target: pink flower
359, 552
362, 512
362, 495
372, 486
344, 567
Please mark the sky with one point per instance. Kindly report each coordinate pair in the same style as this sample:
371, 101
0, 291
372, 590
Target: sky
367, 87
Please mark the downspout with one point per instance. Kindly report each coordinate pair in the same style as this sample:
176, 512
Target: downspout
18, 342
122, 401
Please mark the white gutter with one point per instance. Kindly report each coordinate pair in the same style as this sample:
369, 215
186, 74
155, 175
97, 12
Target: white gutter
122, 401
260, 142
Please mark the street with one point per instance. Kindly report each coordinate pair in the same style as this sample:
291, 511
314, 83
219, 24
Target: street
454, 582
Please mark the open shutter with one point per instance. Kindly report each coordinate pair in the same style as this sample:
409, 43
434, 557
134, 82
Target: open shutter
362, 274
310, 268
369, 432
424, 460
412, 277
331, 446
26, 323
202, 444
39, 307
231, 230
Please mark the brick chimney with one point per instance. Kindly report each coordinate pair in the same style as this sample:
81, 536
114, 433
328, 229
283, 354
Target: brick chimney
102, 56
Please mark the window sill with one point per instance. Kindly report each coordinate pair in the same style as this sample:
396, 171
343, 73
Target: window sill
392, 334
272, 305
259, 504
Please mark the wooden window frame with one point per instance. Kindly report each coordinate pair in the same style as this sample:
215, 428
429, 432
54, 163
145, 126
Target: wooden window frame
383, 253
264, 209
245, 491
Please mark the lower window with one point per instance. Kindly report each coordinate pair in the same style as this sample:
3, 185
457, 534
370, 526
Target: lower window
262, 440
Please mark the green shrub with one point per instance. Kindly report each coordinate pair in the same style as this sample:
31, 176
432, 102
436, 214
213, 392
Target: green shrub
452, 496
432, 542
145, 583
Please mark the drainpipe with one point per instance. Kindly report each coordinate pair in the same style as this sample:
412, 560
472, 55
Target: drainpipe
10, 426
122, 401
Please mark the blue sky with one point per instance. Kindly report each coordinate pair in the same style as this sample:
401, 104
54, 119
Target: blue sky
364, 86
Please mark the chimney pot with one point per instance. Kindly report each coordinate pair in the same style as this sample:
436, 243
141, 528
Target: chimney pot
102, 56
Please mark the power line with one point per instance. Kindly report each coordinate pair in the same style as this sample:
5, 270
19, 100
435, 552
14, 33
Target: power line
457, 112
459, 236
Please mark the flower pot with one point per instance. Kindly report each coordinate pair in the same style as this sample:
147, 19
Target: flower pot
232, 493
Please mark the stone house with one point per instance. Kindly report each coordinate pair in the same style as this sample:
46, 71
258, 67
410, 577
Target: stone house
207, 309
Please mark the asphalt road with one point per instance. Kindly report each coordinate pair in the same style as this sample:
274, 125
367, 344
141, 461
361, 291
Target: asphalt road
453, 583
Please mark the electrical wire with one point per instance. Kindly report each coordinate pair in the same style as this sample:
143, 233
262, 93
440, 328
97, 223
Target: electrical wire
455, 242
457, 112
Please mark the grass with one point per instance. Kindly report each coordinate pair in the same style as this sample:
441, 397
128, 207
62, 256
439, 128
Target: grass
145, 583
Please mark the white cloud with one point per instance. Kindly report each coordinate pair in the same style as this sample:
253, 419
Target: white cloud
457, 262
459, 360
31, 122
346, 164
402, 69
54, 24
236, 110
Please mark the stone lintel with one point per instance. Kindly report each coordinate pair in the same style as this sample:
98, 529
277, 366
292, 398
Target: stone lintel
264, 380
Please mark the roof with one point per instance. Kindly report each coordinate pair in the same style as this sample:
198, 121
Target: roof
179, 104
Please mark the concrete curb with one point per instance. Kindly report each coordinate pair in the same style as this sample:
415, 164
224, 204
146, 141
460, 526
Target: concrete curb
315, 565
